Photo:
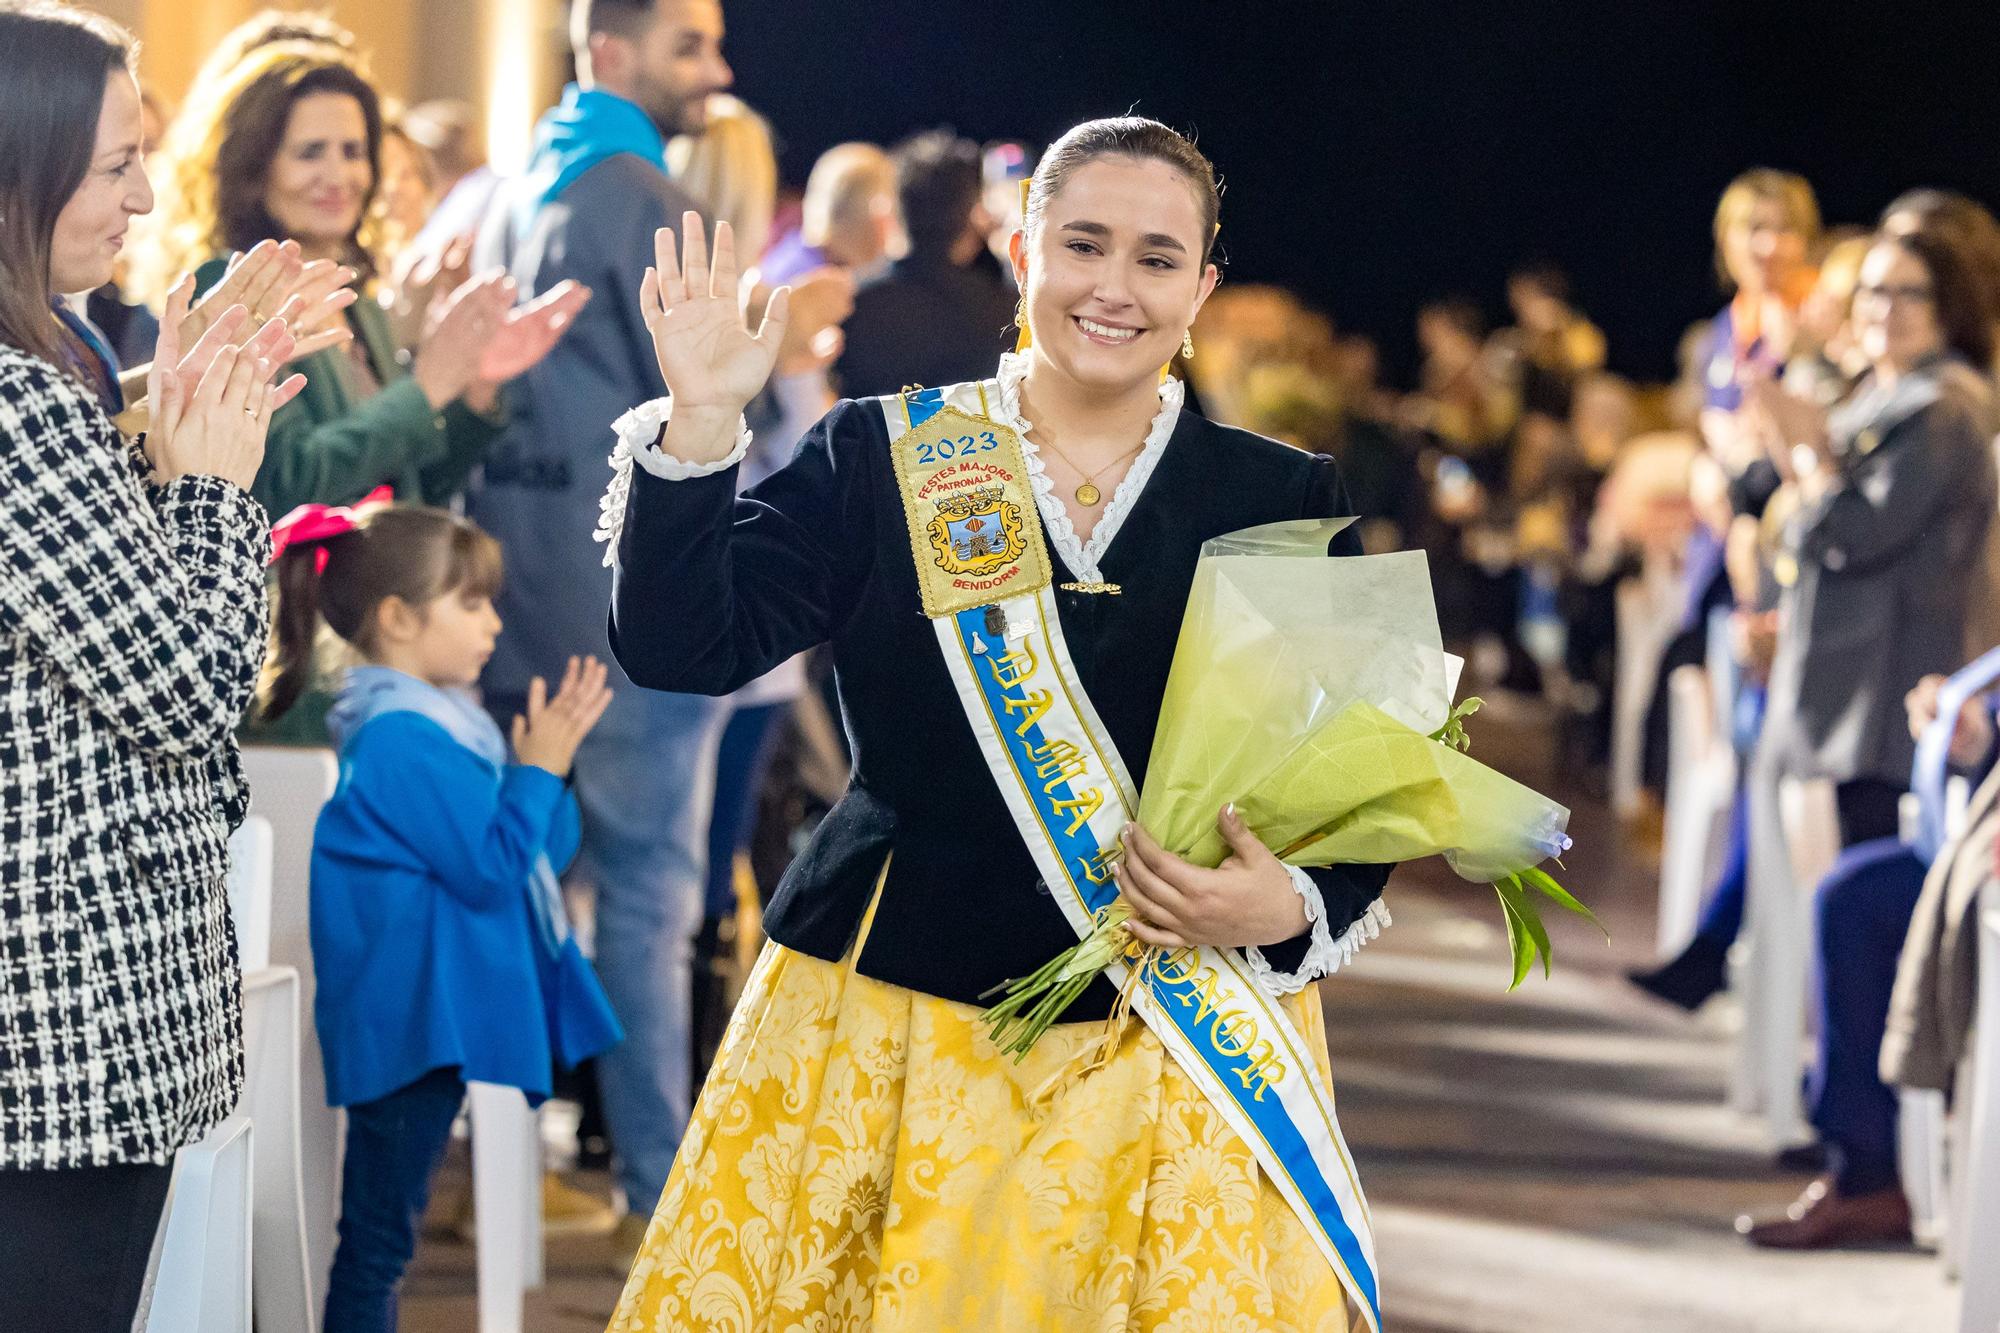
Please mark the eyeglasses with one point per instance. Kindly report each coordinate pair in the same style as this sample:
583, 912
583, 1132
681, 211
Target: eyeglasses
1907, 294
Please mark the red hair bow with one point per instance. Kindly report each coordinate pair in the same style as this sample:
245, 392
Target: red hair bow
309, 524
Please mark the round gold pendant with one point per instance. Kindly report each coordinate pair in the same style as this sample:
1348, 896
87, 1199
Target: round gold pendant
1088, 494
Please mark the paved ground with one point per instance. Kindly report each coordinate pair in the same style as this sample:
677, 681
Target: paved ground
1554, 1161
1561, 1159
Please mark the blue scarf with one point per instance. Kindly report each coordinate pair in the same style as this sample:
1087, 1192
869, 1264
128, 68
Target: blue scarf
582, 130
581, 1023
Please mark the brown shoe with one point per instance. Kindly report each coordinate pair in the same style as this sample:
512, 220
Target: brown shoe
1822, 1219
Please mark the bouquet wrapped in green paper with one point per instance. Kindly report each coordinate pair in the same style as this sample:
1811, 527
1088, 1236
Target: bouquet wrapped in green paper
1316, 694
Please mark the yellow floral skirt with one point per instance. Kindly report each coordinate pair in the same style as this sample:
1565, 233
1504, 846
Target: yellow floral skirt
863, 1159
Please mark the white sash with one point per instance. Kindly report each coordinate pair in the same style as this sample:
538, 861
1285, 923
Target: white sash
1071, 796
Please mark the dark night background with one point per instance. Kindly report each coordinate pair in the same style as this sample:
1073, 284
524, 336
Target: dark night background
1377, 154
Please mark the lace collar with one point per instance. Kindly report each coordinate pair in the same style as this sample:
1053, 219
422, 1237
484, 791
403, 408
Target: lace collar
1083, 557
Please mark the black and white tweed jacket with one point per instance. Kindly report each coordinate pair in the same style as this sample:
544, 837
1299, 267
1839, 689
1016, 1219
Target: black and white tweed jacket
132, 621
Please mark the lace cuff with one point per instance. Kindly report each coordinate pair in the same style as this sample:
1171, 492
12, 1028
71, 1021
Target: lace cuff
638, 433
1326, 955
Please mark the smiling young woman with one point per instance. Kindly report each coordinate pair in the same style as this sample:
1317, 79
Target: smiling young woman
1054, 513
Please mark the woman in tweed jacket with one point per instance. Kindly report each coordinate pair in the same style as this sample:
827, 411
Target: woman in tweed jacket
132, 621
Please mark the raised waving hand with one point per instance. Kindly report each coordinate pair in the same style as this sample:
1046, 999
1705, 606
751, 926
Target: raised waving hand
712, 362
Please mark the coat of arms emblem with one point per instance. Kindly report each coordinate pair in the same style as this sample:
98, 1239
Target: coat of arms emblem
976, 532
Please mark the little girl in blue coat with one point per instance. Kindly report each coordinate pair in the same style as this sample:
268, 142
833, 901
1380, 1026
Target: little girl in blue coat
441, 950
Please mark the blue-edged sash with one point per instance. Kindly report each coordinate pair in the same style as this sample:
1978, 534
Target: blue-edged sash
1071, 796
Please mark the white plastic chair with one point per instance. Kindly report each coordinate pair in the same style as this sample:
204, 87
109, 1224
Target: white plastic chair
203, 1281
507, 1200
1794, 840
287, 787
1649, 609
1920, 1157
283, 1286
1812, 830
250, 891
1701, 787
1979, 1299
1930, 1147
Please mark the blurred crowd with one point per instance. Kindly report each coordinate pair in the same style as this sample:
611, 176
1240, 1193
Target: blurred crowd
1805, 513
1804, 516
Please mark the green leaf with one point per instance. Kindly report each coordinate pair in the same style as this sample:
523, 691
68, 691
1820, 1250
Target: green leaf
1533, 916
1516, 900
1543, 883
1520, 947
1453, 732
1519, 942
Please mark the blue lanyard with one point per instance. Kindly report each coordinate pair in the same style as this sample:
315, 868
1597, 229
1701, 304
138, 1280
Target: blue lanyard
90, 356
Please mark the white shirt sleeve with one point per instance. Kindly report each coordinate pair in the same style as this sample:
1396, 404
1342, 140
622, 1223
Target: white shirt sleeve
1326, 955
638, 433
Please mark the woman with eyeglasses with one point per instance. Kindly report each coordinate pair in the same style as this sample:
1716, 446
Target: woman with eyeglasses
1882, 568
1896, 495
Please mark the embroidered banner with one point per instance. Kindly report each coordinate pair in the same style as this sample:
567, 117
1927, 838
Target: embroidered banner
974, 532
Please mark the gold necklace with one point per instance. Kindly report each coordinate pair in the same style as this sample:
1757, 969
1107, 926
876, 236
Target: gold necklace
1086, 493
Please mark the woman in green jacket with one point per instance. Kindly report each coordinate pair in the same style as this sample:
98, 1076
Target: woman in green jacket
288, 145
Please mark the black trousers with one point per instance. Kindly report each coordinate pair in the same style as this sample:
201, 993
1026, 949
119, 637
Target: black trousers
74, 1245
1868, 809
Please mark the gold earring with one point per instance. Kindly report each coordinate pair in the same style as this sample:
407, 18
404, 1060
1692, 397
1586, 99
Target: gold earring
1021, 311
1187, 344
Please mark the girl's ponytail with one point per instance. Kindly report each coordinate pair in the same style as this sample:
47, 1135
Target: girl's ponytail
295, 621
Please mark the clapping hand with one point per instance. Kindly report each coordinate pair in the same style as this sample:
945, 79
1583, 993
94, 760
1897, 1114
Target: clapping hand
1971, 733
271, 280
529, 333
315, 312
1782, 420
821, 302
211, 408
461, 327
273, 340
712, 363
548, 734
251, 279
426, 275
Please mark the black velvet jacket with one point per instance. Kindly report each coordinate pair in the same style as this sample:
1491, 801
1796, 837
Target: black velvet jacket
712, 590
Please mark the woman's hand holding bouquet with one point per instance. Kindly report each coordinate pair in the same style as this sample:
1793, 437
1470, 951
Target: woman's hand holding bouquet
1313, 695
1247, 901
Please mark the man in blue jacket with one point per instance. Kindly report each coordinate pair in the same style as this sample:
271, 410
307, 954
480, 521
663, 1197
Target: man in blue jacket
594, 192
